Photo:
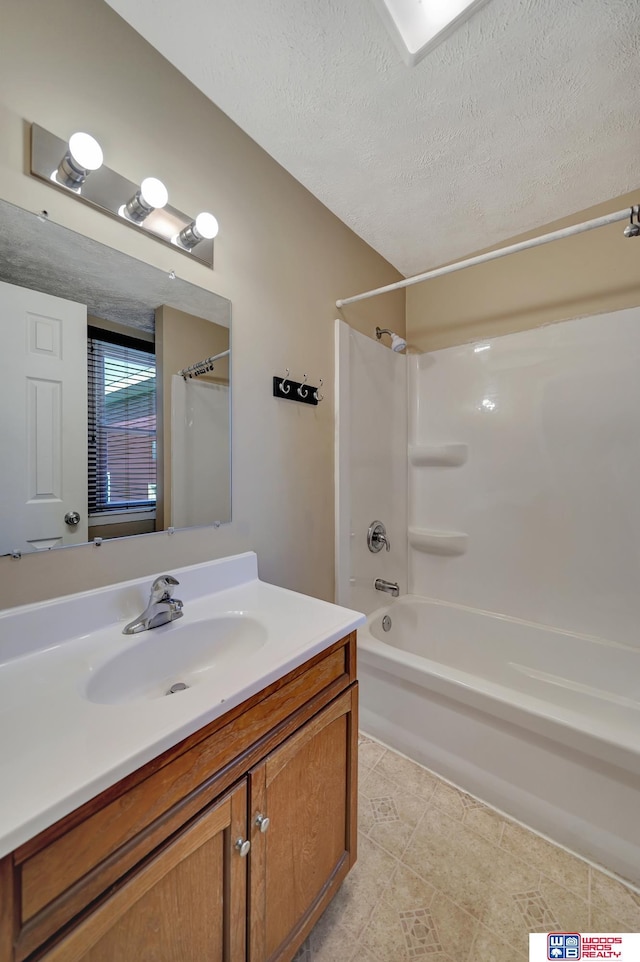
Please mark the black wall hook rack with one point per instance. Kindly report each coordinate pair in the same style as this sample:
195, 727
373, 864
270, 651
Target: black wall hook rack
288, 390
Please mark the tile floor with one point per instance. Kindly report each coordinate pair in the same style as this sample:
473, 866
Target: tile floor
443, 878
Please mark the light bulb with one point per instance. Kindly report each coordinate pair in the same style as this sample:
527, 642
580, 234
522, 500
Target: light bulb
150, 195
85, 151
83, 155
154, 193
206, 225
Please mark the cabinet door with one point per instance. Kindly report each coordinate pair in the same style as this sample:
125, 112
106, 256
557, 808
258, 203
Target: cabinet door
307, 790
186, 903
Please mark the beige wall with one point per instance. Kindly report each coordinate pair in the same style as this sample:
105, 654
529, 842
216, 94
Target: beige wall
181, 340
281, 257
587, 274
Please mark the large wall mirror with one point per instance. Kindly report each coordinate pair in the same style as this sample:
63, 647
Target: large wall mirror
114, 392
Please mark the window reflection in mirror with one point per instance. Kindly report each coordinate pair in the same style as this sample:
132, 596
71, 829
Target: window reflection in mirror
101, 435
122, 442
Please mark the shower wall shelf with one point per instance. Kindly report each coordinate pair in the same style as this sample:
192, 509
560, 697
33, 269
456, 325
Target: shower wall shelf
438, 542
450, 454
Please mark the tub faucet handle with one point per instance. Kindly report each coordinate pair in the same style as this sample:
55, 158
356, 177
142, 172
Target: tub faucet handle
377, 537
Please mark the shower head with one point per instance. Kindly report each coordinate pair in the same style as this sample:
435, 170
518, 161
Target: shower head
397, 343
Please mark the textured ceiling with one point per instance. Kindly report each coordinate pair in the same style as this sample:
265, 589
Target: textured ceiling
525, 115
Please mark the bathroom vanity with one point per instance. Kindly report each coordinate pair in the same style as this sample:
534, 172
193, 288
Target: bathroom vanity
223, 837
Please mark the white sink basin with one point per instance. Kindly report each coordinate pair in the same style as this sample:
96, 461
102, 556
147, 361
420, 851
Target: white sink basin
175, 653
82, 705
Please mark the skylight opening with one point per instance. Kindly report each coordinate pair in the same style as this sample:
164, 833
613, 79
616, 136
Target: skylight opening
418, 25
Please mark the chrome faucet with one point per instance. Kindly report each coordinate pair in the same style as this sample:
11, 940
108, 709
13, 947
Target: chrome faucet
161, 609
391, 586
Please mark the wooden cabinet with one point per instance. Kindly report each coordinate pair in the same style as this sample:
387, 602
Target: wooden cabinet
151, 869
305, 789
186, 903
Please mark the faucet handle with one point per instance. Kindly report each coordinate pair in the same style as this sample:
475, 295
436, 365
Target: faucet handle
161, 589
377, 537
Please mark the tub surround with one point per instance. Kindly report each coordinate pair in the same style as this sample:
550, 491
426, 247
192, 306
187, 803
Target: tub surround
547, 493
60, 748
509, 666
371, 465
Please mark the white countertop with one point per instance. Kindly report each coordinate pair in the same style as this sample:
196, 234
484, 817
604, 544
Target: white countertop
58, 748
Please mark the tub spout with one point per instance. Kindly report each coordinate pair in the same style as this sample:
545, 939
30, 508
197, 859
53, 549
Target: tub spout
391, 586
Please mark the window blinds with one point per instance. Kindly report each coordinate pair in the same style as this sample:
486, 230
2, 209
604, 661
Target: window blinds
122, 423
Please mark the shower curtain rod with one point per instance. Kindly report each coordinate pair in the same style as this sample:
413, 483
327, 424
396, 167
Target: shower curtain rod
201, 367
493, 255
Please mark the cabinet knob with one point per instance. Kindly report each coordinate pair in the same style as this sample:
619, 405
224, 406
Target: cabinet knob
242, 846
262, 821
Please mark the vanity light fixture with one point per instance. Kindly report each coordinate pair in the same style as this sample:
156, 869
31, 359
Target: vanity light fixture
83, 155
151, 195
204, 227
143, 206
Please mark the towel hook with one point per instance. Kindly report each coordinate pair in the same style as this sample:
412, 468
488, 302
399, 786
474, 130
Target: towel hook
300, 391
319, 397
285, 390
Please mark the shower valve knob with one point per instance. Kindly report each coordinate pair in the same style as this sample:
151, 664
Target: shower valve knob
377, 537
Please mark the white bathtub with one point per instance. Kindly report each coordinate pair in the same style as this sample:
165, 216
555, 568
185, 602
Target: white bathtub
543, 724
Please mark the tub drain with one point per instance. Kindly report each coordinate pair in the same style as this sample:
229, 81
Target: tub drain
178, 686
386, 623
